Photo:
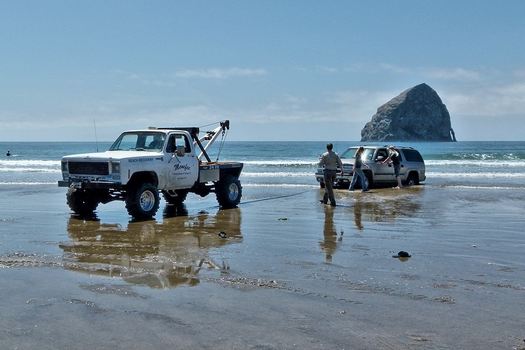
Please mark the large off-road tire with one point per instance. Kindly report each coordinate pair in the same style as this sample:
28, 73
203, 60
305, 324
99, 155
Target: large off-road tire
413, 179
142, 201
177, 199
81, 201
322, 185
228, 191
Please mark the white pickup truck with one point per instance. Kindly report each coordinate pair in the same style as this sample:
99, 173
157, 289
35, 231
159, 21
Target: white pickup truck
142, 163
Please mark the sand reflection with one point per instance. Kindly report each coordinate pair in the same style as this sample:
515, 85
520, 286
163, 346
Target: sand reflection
159, 255
386, 205
329, 242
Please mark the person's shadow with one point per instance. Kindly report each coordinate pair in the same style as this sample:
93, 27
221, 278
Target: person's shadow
329, 243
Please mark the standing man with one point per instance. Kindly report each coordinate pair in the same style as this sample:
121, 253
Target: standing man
330, 161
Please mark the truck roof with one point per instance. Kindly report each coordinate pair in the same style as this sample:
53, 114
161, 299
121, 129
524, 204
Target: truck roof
191, 130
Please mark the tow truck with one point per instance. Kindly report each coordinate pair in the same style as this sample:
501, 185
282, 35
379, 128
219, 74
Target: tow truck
142, 164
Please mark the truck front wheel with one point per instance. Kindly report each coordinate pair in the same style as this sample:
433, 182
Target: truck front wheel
81, 201
142, 202
228, 191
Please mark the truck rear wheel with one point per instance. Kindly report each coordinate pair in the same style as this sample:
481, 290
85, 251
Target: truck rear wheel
142, 202
81, 201
228, 191
177, 198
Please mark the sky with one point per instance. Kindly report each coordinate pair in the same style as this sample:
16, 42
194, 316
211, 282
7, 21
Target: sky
277, 69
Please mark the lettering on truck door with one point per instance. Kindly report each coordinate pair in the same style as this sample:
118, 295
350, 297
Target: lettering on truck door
183, 166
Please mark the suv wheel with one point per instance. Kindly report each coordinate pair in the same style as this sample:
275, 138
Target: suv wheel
412, 179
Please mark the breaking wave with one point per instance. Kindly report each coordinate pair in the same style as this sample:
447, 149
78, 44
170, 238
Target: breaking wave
478, 163
30, 163
29, 170
278, 174
282, 163
477, 175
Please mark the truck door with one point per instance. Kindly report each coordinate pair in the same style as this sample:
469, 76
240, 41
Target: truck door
183, 165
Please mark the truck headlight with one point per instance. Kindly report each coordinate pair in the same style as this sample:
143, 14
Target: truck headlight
115, 167
65, 167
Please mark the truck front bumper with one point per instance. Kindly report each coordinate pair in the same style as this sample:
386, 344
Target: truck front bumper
90, 184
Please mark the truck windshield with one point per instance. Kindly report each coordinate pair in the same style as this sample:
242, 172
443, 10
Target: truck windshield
139, 141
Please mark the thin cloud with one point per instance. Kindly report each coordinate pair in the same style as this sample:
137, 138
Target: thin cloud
491, 101
348, 106
218, 73
360, 104
394, 68
326, 69
520, 73
460, 74
437, 73
164, 82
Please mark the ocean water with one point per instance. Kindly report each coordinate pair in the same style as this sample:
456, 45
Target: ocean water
292, 164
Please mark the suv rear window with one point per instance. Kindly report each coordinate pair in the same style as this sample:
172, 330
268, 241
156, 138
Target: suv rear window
411, 155
349, 153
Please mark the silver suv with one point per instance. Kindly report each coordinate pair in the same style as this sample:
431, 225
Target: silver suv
378, 174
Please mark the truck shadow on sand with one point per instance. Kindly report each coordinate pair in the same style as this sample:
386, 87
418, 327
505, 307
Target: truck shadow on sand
158, 255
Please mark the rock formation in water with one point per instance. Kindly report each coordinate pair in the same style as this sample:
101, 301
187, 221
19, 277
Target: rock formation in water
417, 114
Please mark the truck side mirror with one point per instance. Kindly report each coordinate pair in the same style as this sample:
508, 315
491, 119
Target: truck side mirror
380, 158
180, 151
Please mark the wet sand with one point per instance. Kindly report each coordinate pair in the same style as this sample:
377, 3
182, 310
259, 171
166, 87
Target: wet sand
279, 272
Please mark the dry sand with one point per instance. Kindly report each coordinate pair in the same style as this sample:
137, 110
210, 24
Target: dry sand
279, 272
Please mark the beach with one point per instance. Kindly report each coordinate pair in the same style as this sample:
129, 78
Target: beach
224, 109
280, 272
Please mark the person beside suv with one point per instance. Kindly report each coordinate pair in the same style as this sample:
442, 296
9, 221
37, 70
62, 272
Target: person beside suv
379, 171
358, 171
395, 159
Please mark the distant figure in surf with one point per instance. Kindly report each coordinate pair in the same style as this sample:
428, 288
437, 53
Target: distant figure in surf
8, 154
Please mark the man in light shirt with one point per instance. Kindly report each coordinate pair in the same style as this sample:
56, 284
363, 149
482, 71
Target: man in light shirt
330, 161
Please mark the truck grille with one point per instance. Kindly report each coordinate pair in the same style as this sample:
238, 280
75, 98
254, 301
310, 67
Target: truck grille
89, 168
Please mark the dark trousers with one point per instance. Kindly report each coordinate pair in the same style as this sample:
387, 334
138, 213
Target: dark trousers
329, 178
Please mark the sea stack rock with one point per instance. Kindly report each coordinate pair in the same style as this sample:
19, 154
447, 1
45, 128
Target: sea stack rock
417, 114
